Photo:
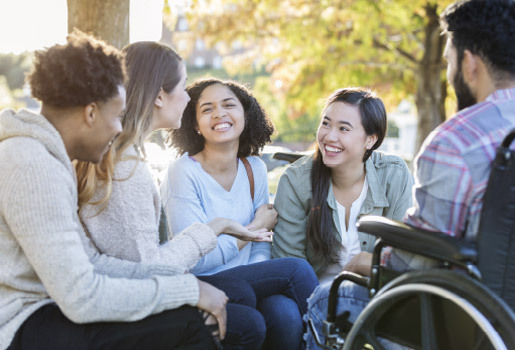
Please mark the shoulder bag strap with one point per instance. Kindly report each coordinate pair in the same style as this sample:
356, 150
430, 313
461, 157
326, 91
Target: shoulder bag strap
250, 175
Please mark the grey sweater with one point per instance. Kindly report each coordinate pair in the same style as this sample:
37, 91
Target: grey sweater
45, 255
128, 228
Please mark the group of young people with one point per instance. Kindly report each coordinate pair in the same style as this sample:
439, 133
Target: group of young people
81, 216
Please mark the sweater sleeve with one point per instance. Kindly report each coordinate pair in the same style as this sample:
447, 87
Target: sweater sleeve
128, 227
41, 213
290, 231
183, 208
260, 251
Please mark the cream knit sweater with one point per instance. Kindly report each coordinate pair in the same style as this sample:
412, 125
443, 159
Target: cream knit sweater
45, 255
128, 227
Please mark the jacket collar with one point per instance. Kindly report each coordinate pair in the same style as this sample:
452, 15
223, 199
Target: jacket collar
376, 196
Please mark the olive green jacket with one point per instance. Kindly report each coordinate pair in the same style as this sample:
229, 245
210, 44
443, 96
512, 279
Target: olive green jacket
389, 195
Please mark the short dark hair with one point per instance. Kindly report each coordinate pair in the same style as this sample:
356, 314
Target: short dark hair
256, 133
82, 71
487, 29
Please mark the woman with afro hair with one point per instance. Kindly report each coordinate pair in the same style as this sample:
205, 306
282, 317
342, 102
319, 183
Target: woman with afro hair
223, 128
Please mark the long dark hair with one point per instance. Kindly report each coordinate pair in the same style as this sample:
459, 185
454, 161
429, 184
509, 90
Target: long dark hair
320, 234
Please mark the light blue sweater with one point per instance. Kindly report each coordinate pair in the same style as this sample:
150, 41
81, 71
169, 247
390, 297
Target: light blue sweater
190, 195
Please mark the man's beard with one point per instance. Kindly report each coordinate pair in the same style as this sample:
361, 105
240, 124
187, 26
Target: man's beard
463, 93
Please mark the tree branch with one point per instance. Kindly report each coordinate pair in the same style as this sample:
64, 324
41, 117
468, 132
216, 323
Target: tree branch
397, 50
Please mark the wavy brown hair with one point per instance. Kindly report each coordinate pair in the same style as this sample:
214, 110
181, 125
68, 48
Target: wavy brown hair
373, 118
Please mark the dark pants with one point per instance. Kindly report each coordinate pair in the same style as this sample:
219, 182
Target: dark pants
48, 328
278, 289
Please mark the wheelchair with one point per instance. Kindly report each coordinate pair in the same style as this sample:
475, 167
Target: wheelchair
466, 302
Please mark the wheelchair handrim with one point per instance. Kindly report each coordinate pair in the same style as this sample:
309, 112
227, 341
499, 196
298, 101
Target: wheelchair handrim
407, 289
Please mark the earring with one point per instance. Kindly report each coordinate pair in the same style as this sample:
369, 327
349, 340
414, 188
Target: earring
198, 132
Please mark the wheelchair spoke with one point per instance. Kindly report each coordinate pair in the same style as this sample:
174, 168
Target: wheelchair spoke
427, 322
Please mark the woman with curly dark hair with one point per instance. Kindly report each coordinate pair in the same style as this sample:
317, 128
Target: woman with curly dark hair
223, 128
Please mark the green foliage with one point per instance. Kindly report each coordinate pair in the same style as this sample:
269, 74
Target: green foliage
311, 48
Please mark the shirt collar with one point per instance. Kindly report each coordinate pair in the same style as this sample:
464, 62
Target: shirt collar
376, 196
501, 94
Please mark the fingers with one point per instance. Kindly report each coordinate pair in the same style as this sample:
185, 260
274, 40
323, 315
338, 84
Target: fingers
221, 318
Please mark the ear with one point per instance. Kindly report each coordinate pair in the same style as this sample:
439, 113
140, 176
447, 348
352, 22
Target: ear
89, 113
370, 141
469, 66
159, 99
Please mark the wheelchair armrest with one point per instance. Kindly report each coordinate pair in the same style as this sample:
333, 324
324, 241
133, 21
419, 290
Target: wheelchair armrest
434, 245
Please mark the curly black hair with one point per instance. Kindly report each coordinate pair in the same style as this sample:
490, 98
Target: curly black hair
487, 29
82, 71
256, 133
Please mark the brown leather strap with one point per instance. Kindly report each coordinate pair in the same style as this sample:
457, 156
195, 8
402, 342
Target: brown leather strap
250, 175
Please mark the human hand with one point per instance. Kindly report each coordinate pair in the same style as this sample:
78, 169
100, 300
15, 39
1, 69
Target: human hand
361, 263
213, 300
248, 234
265, 216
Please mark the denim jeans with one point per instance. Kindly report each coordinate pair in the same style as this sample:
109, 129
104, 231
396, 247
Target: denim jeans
281, 288
351, 297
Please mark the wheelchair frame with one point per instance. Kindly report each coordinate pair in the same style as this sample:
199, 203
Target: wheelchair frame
464, 291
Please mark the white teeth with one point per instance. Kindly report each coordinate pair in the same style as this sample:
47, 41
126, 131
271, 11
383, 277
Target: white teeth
332, 149
221, 126
110, 143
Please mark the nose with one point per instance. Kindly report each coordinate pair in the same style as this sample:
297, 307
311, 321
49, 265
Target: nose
219, 112
332, 135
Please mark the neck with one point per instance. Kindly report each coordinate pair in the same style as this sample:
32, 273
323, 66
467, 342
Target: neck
62, 121
218, 158
348, 176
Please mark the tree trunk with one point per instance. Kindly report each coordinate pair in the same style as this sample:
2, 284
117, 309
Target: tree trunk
106, 19
431, 91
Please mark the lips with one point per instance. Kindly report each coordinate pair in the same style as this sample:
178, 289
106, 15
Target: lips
221, 126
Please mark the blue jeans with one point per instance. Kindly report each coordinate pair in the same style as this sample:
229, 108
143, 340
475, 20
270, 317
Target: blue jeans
351, 297
281, 288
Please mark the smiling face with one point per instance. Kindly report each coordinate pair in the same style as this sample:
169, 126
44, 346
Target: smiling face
105, 127
220, 115
169, 106
341, 137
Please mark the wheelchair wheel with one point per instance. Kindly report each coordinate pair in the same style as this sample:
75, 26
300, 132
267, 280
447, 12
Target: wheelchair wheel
434, 309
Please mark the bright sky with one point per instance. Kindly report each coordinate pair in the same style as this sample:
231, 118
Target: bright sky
26, 25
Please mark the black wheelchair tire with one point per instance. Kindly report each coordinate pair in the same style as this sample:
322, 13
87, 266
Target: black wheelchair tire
494, 309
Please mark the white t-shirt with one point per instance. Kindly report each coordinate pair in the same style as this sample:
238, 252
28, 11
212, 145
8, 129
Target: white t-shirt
350, 239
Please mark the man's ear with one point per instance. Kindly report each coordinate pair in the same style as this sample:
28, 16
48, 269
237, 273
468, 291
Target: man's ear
90, 113
159, 99
469, 66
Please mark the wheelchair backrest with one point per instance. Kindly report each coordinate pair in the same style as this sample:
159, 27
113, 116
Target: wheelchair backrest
496, 236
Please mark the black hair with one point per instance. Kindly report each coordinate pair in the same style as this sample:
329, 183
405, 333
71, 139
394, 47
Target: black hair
82, 71
319, 233
256, 133
487, 29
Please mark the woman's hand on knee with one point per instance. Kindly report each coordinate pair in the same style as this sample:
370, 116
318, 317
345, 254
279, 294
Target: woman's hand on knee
361, 263
213, 300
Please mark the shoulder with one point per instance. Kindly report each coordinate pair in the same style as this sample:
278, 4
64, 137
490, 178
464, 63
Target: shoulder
20, 152
182, 169
300, 169
390, 168
257, 164
387, 160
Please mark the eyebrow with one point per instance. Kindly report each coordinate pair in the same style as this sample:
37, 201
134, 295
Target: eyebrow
340, 122
210, 103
